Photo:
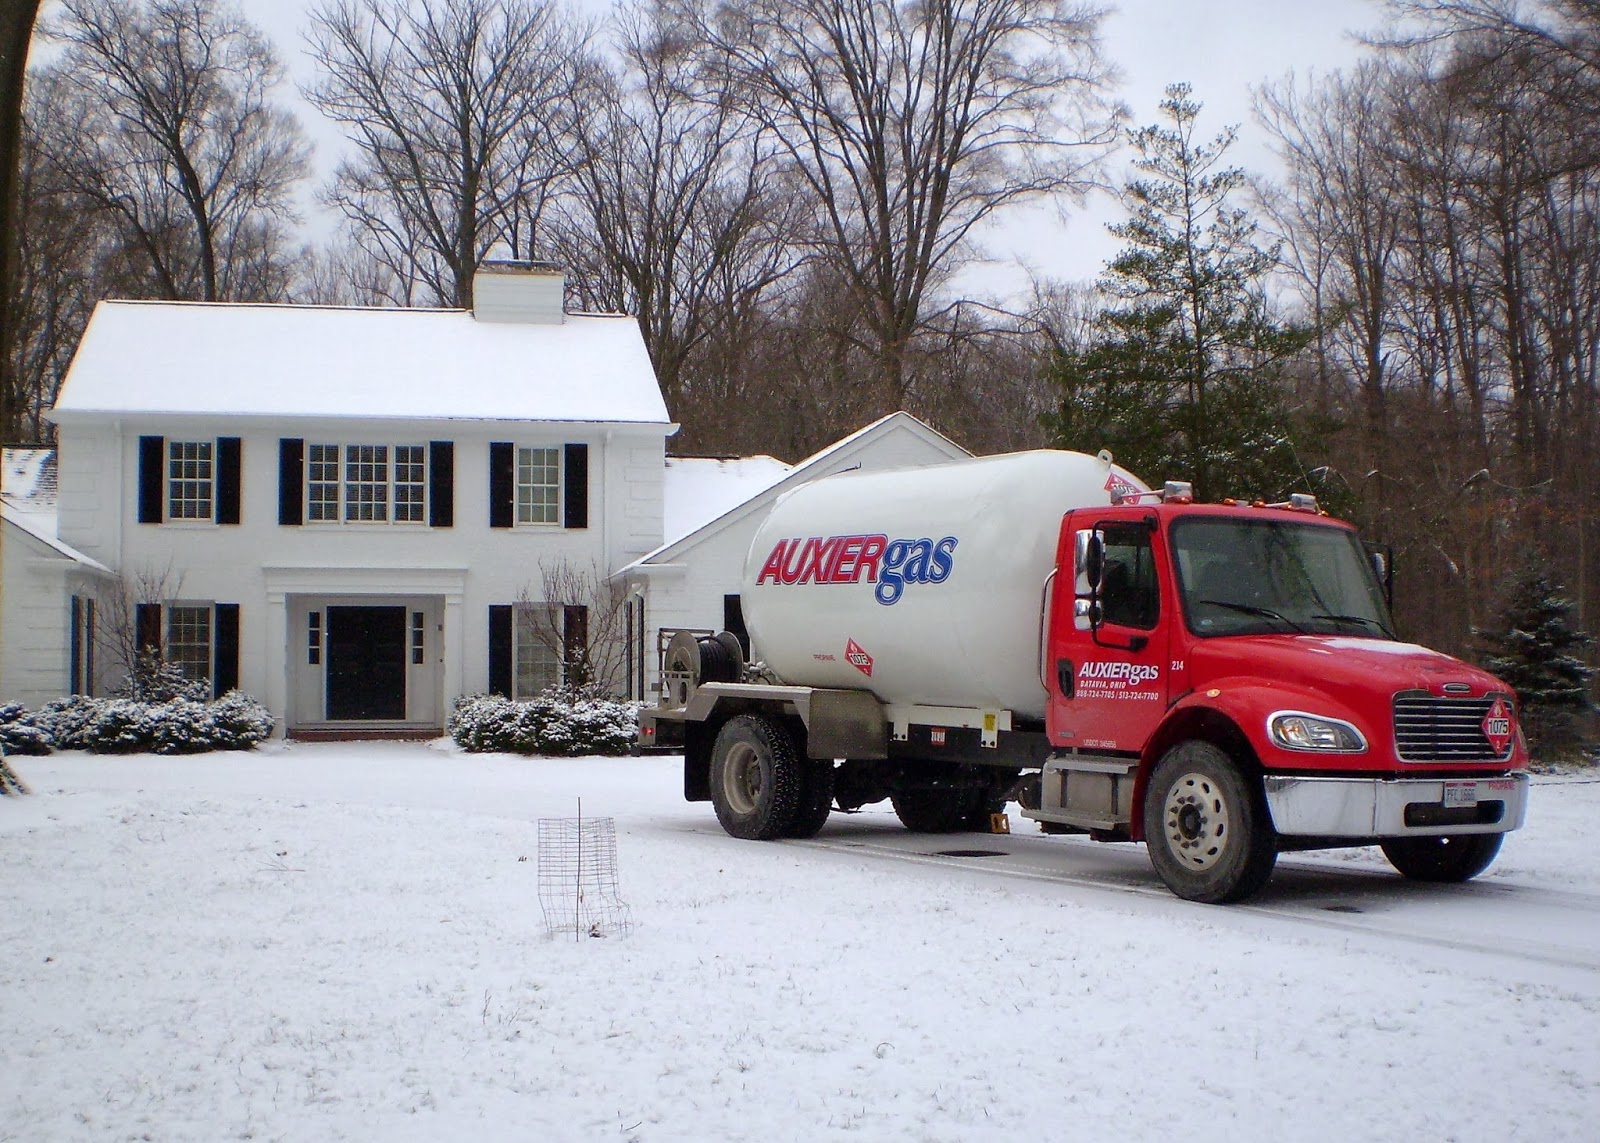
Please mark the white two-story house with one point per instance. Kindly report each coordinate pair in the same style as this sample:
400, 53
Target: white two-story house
347, 512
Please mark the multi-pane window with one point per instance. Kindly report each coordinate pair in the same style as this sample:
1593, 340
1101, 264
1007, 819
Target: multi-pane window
418, 629
314, 639
537, 650
189, 640
368, 483
322, 482
189, 480
410, 483
538, 485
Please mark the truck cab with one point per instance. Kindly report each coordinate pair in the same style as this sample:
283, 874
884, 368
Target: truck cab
1204, 644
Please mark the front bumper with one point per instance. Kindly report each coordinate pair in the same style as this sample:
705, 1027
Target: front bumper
1395, 807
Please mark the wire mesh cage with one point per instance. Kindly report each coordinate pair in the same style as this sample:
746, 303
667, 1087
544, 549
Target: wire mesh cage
578, 878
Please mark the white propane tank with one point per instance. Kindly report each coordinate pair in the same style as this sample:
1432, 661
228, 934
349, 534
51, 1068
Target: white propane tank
922, 585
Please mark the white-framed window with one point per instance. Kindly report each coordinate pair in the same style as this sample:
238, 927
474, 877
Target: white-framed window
191, 479
322, 482
367, 483
536, 649
189, 639
538, 485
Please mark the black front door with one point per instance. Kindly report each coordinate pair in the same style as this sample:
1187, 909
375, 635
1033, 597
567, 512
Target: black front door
366, 662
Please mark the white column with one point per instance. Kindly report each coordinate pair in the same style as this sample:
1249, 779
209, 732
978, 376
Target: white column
275, 657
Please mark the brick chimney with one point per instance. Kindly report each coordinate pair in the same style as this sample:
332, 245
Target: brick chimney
508, 291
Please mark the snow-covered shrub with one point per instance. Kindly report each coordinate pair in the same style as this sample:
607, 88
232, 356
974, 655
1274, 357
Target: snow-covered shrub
177, 726
238, 722
68, 721
155, 680
552, 724
17, 733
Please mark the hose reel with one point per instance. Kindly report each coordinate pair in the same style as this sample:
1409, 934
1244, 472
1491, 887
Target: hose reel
693, 659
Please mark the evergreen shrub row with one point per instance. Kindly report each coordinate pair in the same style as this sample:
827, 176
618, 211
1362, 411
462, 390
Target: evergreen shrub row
177, 725
556, 723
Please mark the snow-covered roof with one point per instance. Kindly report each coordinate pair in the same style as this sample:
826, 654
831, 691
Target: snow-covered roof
697, 489
755, 497
28, 499
28, 477
332, 361
42, 527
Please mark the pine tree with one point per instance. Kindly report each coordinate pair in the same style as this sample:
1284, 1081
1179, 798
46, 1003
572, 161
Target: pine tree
1183, 375
1539, 653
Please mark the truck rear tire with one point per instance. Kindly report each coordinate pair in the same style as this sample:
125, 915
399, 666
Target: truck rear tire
816, 799
1443, 859
755, 778
936, 810
1206, 826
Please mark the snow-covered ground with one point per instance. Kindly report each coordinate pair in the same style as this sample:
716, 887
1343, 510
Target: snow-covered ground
344, 941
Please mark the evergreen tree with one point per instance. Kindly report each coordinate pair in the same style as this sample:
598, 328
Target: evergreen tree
1183, 374
1539, 653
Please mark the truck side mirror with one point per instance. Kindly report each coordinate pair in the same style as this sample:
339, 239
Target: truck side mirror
1382, 557
1089, 559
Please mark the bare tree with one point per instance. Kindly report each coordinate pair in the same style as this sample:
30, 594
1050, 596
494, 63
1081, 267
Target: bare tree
458, 111
579, 617
168, 125
910, 124
133, 656
675, 211
54, 283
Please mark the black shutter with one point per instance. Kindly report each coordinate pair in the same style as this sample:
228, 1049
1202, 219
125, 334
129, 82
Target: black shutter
152, 478
229, 455
88, 645
75, 652
225, 650
147, 626
291, 480
500, 649
502, 483
575, 478
733, 621
441, 484
575, 644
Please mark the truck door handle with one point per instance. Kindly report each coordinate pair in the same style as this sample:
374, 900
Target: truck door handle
1064, 677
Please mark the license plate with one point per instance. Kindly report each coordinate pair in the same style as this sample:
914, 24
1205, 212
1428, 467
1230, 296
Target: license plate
1460, 794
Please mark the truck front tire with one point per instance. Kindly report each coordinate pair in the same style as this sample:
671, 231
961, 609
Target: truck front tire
756, 778
1206, 826
1443, 859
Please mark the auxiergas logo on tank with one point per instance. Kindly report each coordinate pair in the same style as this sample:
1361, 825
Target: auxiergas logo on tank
891, 564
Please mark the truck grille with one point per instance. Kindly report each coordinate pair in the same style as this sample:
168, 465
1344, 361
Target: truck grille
1428, 728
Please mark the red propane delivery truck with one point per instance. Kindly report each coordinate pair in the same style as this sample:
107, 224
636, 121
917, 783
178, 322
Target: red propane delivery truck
1220, 681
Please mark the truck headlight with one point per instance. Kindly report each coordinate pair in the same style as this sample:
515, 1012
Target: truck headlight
1296, 730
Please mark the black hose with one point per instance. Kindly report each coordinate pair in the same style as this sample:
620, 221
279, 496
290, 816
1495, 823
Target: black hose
717, 663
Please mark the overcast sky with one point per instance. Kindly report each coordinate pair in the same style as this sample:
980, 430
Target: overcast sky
1222, 48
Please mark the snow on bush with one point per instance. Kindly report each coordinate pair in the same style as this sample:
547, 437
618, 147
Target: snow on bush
17, 734
178, 725
557, 724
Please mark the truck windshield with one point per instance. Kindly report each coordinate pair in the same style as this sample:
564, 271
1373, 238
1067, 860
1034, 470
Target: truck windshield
1260, 576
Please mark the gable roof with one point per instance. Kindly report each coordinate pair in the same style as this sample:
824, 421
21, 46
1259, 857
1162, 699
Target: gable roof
332, 361
834, 458
695, 490
42, 529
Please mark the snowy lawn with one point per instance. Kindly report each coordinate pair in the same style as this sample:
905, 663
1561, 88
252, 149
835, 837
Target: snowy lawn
344, 941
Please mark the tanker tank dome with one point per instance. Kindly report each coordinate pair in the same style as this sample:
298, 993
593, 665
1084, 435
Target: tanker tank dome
923, 585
